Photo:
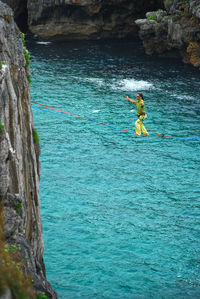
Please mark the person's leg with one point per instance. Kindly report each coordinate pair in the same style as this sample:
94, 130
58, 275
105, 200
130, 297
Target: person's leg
143, 129
137, 127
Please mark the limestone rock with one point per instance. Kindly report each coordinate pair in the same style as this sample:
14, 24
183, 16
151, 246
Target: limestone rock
80, 19
20, 12
85, 19
178, 28
19, 162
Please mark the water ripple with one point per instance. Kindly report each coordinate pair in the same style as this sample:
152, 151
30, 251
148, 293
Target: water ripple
120, 214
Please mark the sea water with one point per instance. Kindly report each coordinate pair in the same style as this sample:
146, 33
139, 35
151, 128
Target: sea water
120, 213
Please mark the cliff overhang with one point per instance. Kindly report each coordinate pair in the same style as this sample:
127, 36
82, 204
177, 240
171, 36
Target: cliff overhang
81, 19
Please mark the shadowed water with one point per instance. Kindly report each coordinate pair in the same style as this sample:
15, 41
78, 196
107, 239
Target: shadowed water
120, 213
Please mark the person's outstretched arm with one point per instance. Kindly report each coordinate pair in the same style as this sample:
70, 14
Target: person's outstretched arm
132, 101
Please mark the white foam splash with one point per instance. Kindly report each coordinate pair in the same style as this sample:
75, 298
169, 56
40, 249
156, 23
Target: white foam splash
184, 97
43, 43
132, 85
96, 81
95, 111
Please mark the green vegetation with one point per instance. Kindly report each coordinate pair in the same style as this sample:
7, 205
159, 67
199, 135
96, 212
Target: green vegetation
23, 38
11, 275
41, 296
12, 248
19, 208
152, 17
194, 7
36, 138
29, 78
27, 55
159, 10
1, 128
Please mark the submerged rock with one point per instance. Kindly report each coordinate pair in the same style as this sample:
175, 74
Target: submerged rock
19, 162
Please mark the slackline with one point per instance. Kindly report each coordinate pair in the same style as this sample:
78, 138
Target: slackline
64, 113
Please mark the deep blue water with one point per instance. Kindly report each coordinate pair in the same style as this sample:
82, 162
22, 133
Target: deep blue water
120, 213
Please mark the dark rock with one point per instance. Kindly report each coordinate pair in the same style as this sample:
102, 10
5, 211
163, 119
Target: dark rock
20, 12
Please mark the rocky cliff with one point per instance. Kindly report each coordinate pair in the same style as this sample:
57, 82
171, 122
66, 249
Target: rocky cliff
85, 19
82, 19
19, 155
175, 28
173, 25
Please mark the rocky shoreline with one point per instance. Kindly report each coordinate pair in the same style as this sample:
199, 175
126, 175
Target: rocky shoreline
171, 26
175, 28
81, 19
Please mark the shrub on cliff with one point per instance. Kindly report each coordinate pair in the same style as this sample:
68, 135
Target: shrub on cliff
11, 275
27, 55
1, 128
36, 138
152, 17
41, 296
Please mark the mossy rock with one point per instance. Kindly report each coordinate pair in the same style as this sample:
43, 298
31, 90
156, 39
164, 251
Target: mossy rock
2, 129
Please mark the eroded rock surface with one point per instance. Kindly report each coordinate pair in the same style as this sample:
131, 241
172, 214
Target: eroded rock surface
85, 19
19, 163
175, 28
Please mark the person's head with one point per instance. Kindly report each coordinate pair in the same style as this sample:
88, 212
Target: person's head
140, 96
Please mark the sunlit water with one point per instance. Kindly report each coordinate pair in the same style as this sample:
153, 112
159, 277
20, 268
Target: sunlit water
120, 213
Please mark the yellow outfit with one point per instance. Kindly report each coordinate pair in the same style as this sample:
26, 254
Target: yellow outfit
139, 126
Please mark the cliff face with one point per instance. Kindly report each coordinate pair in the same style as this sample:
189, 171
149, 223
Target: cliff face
82, 19
20, 12
175, 28
85, 19
19, 156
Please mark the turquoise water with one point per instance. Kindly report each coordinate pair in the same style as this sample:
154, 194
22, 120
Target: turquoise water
120, 213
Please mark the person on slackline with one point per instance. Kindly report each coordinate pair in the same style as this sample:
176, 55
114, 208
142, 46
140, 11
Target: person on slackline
139, 124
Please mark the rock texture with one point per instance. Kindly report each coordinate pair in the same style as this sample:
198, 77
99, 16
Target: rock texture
175, 28
84, 19
19, 163
20, 12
